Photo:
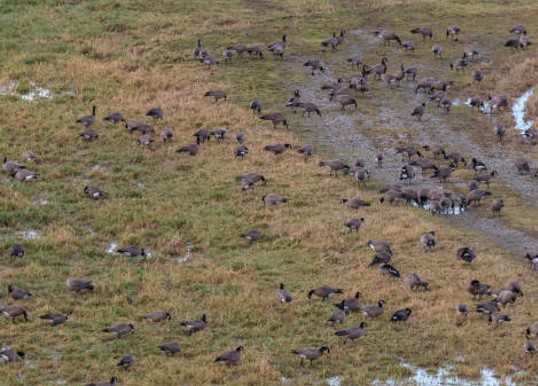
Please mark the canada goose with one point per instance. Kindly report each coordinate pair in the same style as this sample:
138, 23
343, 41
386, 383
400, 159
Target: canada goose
209, 60
379, 246
238, 47
395, 77
478, 165
306, 150
17, 293
277, 148
498, 318
199, 50
401, 315
278, 48
419, 111
408, 46
337, 316
378, 70
89, 134
311, 353
354, 224
126, 362
314, 65
498, 103
442, 172
438, 96
191, 149
11, 167
360, 84
170, 348
88, 120
446, 104
411, 72
294, 100
350, 304
374, 311
513, 286
132, 251
79, 285
424, 84
355, 60
334, 41
532, 330
120, 329
10, 355
381, 258
156, 113
361, 175
496, 206
522, 166
251, 236
231, 357
112, 382
141, 127
529, 347
437, 50
25, 175
414, 281
255, 52
16, 251
352, 333
167, 135
476, 101
476, 196
94, 192
455, 158
513, 43
308, 108
219, 134
487, 308
324, 292
518, 29
530, 134
391, 196
459, 64
387, 269
334, 166
453, 31
426, 32
346, 100
424, 164
239, 138
157, 316
533, 260
54, 318
252, 176
145, 140
428, 241
228, 55
407, 173
240, 151
462, 309
388, 35
273, 199
283, 295
276, 118
217, 94
466, 254
524, 41
14, 312
477, 76
505, 297
354, 203
202, 135
196, 324
477, 289
255, 105
486, 177
114, 117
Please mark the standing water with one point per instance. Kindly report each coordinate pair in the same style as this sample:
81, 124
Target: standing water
518, 111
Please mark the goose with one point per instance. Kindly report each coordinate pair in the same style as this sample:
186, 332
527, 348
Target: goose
352, 333
466, 254
487, 308
453, 31
462, 309
195, 325
112, 382
219, 134
238, 47
387, 269
278, 48
156, 113
418, 111
25, 175
408, 46
94, 192
277, 148
428, 241
437, 50
334, 41
337, 316
443, 172
14, 312
401, 315
126, 362
191, 149
89, 134
373, 311
276, 118
114, 117
533, 260
314, 64
240, 151
346, 100
477, 289
311, 353
379, 246
10, 355
518, 29
407, 173
231, 357
324, 292
11, 167
88, 120
513, 43
308, 108
378, 70
334, 166
217, 94
476, 101
486, 177
228, 55
120, 329
202, 135
209, 60
350, 304
283, 295
167, 135
532, 330
498, 103
79, 285
522, 166
199, 51
157, 316
529, 347
496, 206
381, 258
354, 203
414, 281
388, 36
17, 293
411, 72
251, 236
16, 251
255, 105
426, 32
355, 60
306, 150
354, 224
239, 138
132, 251
170, 348
477, 76
255, 52
273, 199
476, 196
505, 297
54, 318
498, 318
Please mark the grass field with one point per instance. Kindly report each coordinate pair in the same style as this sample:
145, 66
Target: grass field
131, 55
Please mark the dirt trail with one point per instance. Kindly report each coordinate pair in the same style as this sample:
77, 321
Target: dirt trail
384, 115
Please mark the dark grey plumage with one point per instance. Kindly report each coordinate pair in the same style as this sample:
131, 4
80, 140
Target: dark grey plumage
283, 295
54, 318
79, 285
126, 362
311, 353
401, 315
354, 224
120, 329
17, 293
231, 357
251, 236
88, 120
16, 251
191, 149
114, 118
196, 324
217, 94
352, 333
170, 348
132, 250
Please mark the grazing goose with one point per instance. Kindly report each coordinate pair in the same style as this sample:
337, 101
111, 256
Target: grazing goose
476, 101
17, 293
466, 254
314, 64
443, 172
411, 73
114, 118
518, 29
238, 47
94, 192
522, 166
379, 246
306, 150
277, 48
191, 149
532, 330
89, 134
378, 70
132, 251
530, 135
498, 103
388, 36
414, 281
477, 289
255, 105
277, 148
462, 309
88, 120
14, 312
524, 41
202, 135
170, 348
486, 178
253, 177
401, 315
498, 318
487, 308
228, 55
308, 108
157, 316
239, 138
381, 258
126, 362
275, 118
337, 316
54, 318
408, 46
196, 324
283, 295
16, 251
217, 94
513, 286
219, 134
10, 355
231, 357
475, 196
361, 175
145, 140
240, 151
355, 60
273, 199
354, 203
11, 167
477, 76
350, 304
513, 43
426, 32
209, 60
437, 50
334, 41
25, 175
374, 311
529, 347
112, 382
311, 353
79, 285
453, 31
324, 292
505, 297
533, 260
387, 269
156, 113
354, 224
141, 127
352, 333
334, 166
418, 111
251, 236
346, 100
496, 206
167, 135
407, 173
120, 329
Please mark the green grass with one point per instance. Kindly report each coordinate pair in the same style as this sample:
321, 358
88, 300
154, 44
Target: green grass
133, 55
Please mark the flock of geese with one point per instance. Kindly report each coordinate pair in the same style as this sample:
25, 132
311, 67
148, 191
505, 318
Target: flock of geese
436, 200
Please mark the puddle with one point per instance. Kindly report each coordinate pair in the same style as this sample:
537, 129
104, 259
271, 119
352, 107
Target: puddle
34, 92
518, 111
112, 248
334, 381
457, 210
41, 201
456, 102
30, 234
285, 380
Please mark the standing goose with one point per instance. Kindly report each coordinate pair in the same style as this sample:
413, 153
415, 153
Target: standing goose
238, 47
252, 235
54, 318
487, 308
195, 325
437, 50
277, 148
17, 293
387, 269
337, 316
346, 100
334, 166
529, 347
170, 348
352, 333
350, 304
496, 206
283, 295
374, 311
361, 175
414, 281
278, 48
126, 362
379, 246
498, 318
202, 135
25, 175
88, 120
466, 254
255, 105
275, 118
255, 52
428, 241
89, 134
453, 31
477, 289
240, 151
14, 312
120, 329
167, 135
324, 292
12, 167
191, 149
388, 36
356, 60
217, 94
532, 330
311, 353
156, 113
308, 108
426, 32
306, 150
10, 355
419, 111
199, 51
94, 192
231, 357
354, 224
401, 315
145, 140
209, 60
